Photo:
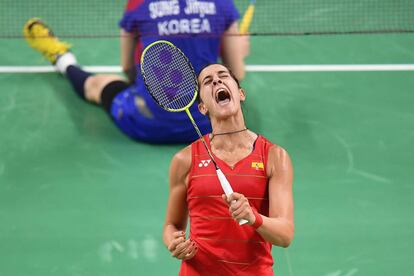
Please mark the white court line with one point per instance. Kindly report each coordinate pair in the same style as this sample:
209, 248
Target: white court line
249, 68
330, 67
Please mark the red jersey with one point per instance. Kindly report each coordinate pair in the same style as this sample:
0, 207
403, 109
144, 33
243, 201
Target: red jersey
225, 247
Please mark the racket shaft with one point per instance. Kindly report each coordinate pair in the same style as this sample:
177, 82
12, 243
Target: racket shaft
187, 110
200, 135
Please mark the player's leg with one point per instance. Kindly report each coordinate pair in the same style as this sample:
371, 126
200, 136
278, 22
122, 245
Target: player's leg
86, 85
130, 107
95, 85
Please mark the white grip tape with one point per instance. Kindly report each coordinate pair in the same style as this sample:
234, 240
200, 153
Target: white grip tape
224, 183
227, 189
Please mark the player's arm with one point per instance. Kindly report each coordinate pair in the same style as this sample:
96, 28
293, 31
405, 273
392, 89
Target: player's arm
128, 43
278, 228
235, 48
177, 212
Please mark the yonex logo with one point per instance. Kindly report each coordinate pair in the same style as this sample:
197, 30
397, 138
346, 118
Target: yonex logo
204, 163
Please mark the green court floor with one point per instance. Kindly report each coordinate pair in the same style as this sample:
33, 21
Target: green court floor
77, 197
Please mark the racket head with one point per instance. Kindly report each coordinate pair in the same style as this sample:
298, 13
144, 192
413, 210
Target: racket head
169, 76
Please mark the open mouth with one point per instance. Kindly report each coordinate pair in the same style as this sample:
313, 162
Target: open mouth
222, 96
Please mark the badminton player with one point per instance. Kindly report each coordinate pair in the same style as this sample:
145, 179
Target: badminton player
199, 29
260, 173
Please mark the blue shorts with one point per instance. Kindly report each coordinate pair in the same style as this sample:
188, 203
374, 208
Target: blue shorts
137, 115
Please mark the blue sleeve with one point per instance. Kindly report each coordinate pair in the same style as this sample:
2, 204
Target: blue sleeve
231, 12
128, 22
132, 16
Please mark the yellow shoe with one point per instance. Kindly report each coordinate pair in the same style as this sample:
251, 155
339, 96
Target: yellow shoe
42, 39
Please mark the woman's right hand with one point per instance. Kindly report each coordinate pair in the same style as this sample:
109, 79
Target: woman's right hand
181, 248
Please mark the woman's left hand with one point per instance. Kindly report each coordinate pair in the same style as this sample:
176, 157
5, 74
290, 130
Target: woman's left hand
239, 207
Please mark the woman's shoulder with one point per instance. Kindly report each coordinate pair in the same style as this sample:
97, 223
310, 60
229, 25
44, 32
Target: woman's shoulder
183, 157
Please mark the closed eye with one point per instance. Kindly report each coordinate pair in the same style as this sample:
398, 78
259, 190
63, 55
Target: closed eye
207, 82
223, 74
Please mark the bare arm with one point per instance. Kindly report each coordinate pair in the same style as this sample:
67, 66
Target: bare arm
278, 228
177, 212
235, 49
128, 43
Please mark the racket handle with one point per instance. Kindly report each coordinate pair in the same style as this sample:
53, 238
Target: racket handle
225, 185
224, 182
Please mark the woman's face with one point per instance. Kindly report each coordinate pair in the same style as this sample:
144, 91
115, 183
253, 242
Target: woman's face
219, 92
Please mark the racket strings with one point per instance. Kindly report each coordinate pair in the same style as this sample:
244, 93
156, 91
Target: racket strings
168, 72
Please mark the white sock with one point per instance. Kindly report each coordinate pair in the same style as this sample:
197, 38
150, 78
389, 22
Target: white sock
64, 61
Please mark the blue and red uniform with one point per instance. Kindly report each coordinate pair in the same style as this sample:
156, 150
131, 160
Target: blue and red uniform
196, 27
225, 247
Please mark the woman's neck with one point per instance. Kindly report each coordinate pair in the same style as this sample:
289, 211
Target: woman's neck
229, 124
228, 133
231, 133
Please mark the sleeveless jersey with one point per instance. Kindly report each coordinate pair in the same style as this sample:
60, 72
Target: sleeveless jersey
225, 247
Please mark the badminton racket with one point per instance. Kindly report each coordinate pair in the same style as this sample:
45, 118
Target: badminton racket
172, 83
